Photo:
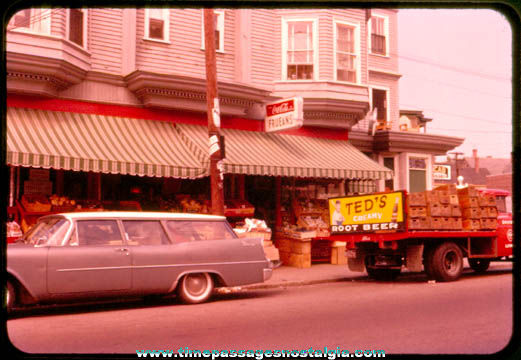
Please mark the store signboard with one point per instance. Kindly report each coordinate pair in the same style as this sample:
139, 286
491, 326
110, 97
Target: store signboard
284, 114
377, 212
441, 172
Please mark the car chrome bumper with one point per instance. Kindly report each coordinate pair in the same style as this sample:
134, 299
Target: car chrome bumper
268, 273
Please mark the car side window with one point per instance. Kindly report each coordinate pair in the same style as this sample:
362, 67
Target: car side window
145, 232
181, 231
98, 232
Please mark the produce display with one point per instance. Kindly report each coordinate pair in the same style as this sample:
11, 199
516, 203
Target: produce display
36, 203
62, 203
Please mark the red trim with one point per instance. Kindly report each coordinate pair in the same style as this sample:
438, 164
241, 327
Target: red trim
176, 116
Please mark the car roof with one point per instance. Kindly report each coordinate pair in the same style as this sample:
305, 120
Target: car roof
138, 215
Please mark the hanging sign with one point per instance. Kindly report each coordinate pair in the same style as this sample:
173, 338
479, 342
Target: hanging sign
441, 172
213, 143
216, 113
284, 114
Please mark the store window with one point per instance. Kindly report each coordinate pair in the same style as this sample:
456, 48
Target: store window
378, 39
299, 55
346, 52
32, 20
379, 102
218, 16
389, 163
156, 24
77, 27
417, 174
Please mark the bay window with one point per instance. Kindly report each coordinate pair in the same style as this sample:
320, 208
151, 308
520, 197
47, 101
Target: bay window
32, 20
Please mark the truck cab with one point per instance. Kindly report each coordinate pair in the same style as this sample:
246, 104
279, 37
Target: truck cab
504, 221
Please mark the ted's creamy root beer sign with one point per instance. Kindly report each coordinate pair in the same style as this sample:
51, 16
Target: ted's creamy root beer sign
380, 212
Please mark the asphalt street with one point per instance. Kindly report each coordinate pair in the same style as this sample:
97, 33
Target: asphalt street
410, 315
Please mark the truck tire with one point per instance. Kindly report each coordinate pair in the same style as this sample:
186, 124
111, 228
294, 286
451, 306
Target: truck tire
445, 262
479, 265
195, 288
383, 274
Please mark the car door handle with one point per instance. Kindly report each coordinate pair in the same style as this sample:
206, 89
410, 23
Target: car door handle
125, 250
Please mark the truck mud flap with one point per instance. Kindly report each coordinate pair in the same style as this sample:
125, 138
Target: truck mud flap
413, 258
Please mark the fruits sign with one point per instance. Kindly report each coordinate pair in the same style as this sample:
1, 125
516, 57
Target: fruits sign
284, 115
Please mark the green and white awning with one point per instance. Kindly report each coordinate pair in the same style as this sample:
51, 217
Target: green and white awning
259, 153
107, 144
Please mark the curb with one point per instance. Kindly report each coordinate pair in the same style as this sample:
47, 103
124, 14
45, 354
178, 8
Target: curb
264, 286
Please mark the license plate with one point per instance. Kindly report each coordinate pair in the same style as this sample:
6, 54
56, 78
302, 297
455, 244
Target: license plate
351, 254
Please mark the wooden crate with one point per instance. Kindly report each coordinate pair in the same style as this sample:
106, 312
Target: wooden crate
443, 197
300, 247
285, 257
300, 260
416, 199
419, 223
446, 223
455, 210
471, 213
488, 224
489, 212
433, 209
453, 200
431, 197
487, 200
449, 188
445, 210
436, 223
456, 223
471, 224
284, 244
417, 211
469, 191
468, 202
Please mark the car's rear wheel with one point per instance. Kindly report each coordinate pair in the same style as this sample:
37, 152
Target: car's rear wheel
195, 288
10, 296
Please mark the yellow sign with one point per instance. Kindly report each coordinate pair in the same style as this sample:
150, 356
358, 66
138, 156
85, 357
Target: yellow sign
367, 213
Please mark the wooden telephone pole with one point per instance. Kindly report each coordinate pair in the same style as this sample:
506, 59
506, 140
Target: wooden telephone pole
215, 145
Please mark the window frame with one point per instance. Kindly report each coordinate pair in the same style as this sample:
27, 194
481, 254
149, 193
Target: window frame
386, 34
387, 99
32, 28
357, 52
285, 47
220, 26
428, 169
85, 13
165, 16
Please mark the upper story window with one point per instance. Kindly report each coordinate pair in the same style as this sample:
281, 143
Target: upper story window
218, 16
156, 24
347, 58
77, 27
379, 37
299, 42
32, 20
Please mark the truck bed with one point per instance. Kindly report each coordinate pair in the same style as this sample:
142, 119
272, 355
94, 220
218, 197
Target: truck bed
413, 234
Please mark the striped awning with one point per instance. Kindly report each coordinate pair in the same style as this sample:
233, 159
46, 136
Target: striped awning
107, 144
260, 153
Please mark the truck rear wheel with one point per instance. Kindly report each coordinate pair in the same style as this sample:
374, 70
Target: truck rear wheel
445, 262
479, 265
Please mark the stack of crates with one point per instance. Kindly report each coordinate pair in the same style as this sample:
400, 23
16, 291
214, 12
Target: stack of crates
435, 210
479, 210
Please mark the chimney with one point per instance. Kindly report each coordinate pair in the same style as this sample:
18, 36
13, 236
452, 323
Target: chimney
476, 160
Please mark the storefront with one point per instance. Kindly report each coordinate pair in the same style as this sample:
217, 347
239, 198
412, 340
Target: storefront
69, 161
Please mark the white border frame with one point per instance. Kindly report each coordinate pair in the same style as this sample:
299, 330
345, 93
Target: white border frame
284, 46
356, 27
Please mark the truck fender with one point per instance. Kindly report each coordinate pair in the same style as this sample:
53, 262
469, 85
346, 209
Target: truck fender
414, 258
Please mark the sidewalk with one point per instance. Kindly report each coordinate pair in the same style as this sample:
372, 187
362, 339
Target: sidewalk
316, 274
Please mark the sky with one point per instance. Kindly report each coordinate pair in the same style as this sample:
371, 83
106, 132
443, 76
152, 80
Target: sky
456, 67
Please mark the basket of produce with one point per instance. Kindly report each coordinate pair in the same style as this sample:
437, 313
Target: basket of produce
36, 203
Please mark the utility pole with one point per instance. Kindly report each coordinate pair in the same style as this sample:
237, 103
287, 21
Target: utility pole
456, 154
214, 120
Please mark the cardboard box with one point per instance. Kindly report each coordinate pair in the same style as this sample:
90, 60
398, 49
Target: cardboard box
284, 244
300, 247
338, 255
285, 257
300, 260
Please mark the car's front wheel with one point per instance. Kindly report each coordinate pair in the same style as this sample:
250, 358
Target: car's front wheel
195, 288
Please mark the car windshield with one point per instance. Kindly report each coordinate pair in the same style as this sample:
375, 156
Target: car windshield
47, 232
501, 204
